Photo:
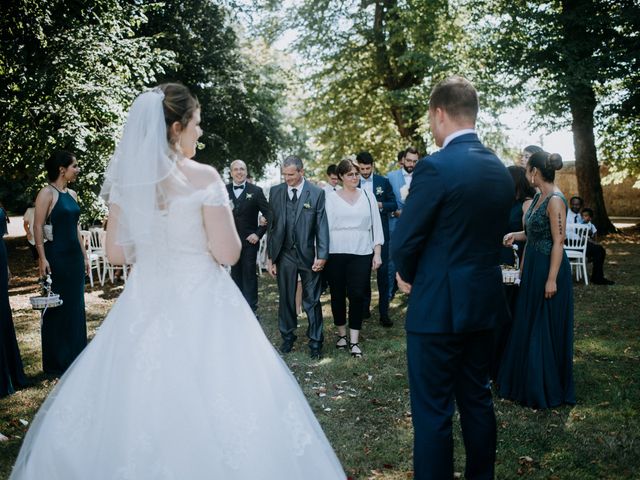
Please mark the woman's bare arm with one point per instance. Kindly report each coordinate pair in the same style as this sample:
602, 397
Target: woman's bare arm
115, 253
557, 213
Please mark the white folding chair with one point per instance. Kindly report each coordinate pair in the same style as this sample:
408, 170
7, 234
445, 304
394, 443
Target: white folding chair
108, 268
575, 246
95, 259
97, 247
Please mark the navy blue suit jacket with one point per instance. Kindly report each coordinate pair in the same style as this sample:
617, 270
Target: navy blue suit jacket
384, 194
448, 240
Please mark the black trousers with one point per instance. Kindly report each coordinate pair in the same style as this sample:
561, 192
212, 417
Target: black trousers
382, 279
244, 273
446, 370
596, 253
288, 269
349, 277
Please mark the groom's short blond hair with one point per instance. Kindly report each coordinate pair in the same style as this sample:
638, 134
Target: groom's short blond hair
457, 96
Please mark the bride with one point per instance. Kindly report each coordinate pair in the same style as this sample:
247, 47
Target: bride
180, 382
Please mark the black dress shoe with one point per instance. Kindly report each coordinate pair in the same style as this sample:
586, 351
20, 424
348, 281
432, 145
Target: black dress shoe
315, 353
286, 346
386, 321
602, 281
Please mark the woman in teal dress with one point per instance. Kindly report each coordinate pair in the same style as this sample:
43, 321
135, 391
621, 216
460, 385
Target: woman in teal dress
537, 365
64, 329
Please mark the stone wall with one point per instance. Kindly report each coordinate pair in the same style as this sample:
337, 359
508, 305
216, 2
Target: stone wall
622, 200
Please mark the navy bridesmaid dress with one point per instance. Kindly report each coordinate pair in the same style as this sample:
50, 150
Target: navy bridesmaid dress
537, 365
11, 371
503, 328
64, 328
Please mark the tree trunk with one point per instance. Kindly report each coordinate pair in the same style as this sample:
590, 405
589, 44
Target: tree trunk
391, 78
587, 169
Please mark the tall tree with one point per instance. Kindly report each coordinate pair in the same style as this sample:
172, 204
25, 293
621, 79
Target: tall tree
370, 65
239, 87
569, 56
68, 71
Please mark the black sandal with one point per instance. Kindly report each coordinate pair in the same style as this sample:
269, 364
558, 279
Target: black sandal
346, 343
355, 354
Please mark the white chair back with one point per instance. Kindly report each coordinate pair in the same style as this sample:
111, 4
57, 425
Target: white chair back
575, 247
97, 236
577, 237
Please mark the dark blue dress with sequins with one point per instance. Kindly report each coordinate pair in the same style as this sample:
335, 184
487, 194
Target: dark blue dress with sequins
537, 365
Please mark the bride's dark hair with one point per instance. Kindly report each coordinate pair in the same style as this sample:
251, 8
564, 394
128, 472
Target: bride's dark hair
178, 105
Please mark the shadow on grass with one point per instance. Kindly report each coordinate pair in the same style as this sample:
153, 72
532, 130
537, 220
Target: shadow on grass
363, 404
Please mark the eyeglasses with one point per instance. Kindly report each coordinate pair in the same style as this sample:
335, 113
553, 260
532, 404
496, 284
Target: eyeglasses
351, 174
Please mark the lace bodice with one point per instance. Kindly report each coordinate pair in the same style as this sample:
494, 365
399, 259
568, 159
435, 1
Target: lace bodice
537, 225
185, 233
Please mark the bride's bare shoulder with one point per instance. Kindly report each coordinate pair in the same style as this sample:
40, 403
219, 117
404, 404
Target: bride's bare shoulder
199, 174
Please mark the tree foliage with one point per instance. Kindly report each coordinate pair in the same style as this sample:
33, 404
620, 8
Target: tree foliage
238, 84
69, 71
369, 66
577, 62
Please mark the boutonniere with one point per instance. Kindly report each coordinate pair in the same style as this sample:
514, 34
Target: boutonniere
307, 205
379, 191
249, 195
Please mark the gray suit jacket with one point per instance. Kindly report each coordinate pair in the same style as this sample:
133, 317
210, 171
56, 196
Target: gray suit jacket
312, 228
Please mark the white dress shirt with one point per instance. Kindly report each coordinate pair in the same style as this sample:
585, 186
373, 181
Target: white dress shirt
592, 229
573, 219
457, 134
368, 185
350, 226
298, 189
407, 177
238, 191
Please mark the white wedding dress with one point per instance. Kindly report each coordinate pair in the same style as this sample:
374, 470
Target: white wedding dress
180, 382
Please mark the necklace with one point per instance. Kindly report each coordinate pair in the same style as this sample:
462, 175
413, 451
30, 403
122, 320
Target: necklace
61, 190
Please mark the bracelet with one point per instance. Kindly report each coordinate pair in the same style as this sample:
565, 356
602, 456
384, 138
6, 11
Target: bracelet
39, 244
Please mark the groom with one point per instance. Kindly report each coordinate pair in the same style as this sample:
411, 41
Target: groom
447, 257
298, 245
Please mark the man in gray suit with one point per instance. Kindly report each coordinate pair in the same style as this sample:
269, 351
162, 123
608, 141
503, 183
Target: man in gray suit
298, 244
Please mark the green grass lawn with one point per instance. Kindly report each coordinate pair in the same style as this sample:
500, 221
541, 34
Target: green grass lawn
363, 404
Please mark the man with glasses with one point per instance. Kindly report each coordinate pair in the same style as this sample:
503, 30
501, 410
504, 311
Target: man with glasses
378, 187
400, 181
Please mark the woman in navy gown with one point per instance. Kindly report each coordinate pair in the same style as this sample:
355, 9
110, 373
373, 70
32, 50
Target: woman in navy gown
537, 366
524, 193
11, 371
64, 328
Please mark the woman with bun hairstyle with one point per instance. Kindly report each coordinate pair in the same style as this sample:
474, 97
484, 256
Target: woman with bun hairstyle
537, 366
64, 328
